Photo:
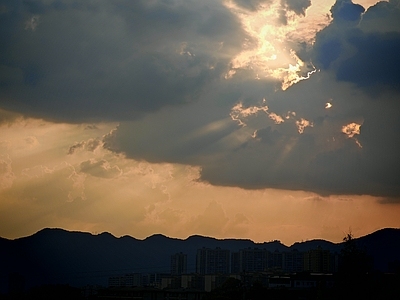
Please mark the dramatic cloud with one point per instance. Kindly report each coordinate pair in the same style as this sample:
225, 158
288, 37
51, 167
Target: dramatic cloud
299, 7
364, 50
107, 60
346, 10
322, 134
252, 4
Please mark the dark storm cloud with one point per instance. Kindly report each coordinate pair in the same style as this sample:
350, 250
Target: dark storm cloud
377, 62
346, 10
326, 163
282, 164
115, 60
251, 4
350, 148
268, 135
297, 6
189, 137
110, 60
382, 17
362, 50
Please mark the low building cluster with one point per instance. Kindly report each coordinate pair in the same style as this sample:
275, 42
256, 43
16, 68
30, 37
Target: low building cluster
291, 269
221, 261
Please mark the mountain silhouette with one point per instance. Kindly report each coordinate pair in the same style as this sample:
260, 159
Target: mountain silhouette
57, 256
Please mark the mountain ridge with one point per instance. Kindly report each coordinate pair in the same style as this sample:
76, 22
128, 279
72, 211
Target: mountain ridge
194, 236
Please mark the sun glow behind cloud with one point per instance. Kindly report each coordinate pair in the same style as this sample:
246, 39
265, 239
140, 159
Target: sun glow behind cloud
268, 53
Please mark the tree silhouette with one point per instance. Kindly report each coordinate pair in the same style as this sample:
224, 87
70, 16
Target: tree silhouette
355, 267
354, 261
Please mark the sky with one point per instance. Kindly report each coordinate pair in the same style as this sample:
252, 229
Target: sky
254, 119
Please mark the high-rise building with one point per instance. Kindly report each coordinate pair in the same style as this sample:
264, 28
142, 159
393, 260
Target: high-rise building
178, 263
275, 261
293, 261
213, 261
249, 260
317, 260
235, 262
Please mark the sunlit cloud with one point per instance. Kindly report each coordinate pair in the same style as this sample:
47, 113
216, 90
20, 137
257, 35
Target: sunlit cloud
302, 124
267, 53
351, 130
292, 74
238, 112
277, 119
290, 114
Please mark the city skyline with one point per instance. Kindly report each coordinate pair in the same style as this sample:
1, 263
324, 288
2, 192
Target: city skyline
248, 119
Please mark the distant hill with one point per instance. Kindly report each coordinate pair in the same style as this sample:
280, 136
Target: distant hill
78, 258
384, 246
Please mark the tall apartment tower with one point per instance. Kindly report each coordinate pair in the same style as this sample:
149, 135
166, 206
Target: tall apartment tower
293, 261
178, 263
249, 260
213, 261
317, 260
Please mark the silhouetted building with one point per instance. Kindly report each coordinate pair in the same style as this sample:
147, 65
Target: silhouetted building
293, 261
212, 282
192, 281
213, 261
153, 279
127, 280
235, 262
318, 261
249, 260
171, 282
275, 261
178, 263
334, 262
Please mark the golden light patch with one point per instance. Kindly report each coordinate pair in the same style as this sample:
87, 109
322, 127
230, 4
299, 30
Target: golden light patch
268, 52
302, 124
351, 130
